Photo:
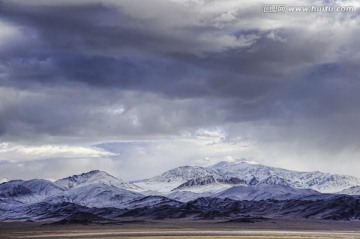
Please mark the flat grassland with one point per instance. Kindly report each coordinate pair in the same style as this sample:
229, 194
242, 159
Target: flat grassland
181, 229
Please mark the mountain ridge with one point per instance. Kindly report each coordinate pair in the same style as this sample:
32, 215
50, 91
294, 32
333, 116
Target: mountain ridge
94, 176
251, 173
176, 193
316, 180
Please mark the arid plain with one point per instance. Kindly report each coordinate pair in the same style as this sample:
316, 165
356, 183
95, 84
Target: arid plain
272, 228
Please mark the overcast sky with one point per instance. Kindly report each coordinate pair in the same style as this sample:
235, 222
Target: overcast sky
138, 87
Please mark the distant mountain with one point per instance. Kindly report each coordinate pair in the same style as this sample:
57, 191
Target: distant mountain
239, 191
184, 173
96, 195
257, 173
94, 177
206, 186
42, 187
169, 180
191, 182
92, 189
13, 191
35, 190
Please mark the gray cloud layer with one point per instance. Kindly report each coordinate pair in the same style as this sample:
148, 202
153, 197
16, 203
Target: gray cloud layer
100, 71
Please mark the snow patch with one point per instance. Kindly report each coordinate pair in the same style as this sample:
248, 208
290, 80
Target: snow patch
4, 180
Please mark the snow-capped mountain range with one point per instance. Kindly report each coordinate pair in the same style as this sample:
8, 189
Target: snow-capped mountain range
236, 181
322, 182
224, 175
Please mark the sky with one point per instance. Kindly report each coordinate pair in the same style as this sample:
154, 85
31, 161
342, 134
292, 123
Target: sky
135, 88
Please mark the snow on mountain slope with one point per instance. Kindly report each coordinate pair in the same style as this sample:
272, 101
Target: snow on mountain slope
91, 189
240, 192
96, 195
203, 187
276, 180
265, 191
197, 191
209, 181
95, 177
186, 196
249, 173
330, 183
13, 190
173, 178
42, 187
3, 180
157, 188
35, 190
184, 174
351, 191
323, 182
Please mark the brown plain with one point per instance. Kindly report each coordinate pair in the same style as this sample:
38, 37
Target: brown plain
181, 229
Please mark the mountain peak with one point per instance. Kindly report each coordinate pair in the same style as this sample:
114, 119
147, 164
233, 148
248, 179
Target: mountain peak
95, 172
94, 177
250, 162
184, 173
222, 164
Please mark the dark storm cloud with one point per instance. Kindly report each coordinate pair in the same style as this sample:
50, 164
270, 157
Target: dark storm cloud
185, 68
77, 41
